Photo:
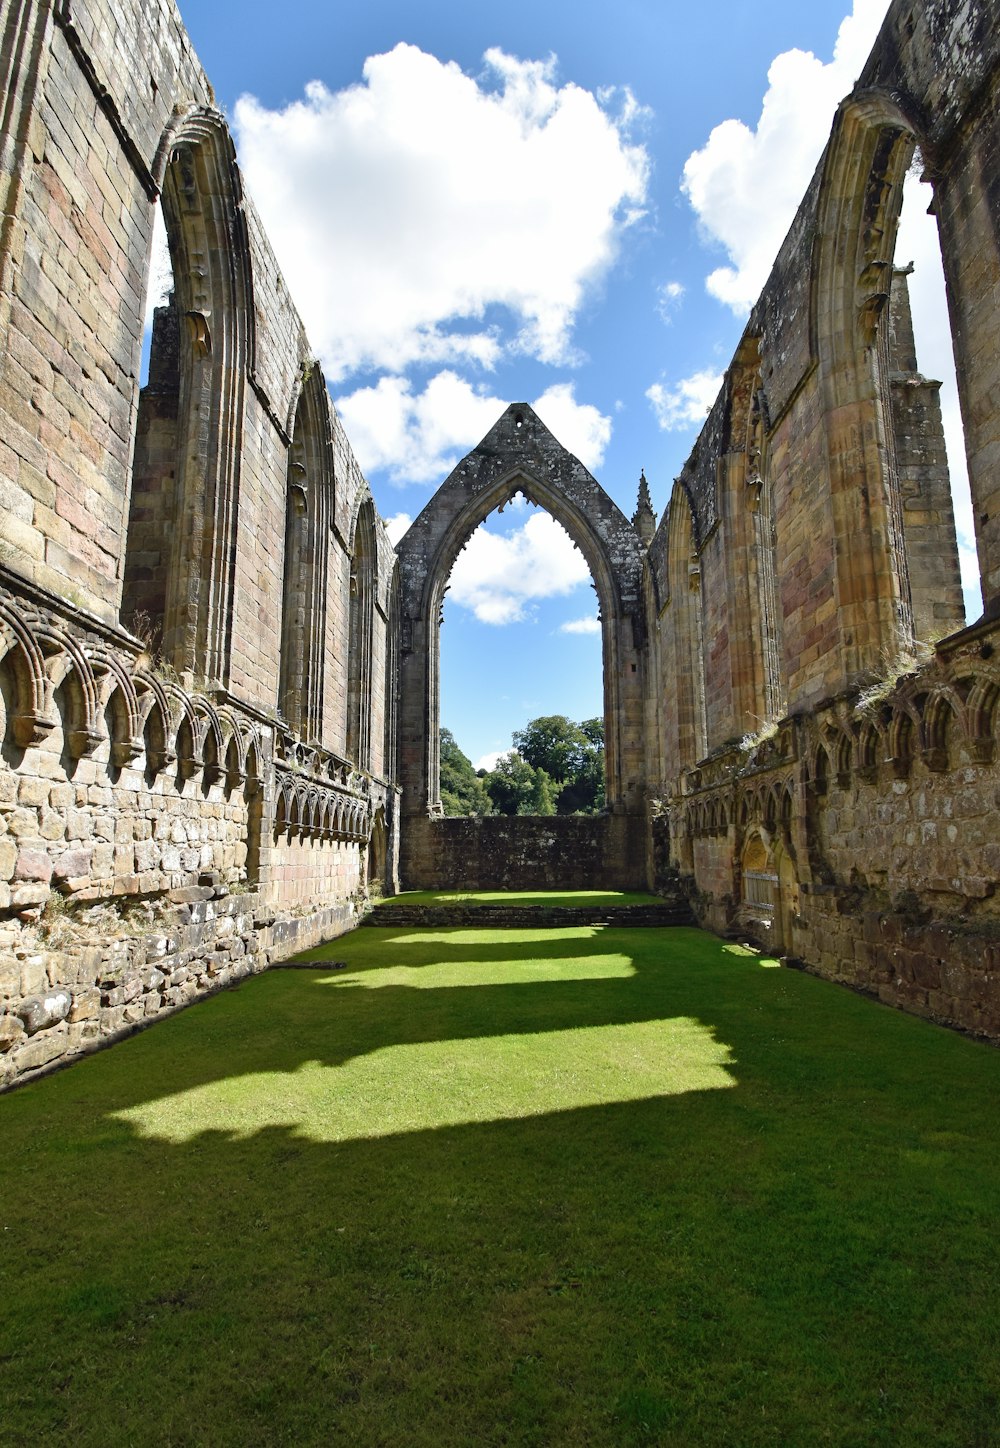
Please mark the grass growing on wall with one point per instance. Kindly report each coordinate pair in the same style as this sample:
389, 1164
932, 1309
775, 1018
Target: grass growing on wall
585, 1186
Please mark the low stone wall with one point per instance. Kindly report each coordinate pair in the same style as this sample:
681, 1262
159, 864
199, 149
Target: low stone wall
523, 852
64, 994
531, 917
945, 970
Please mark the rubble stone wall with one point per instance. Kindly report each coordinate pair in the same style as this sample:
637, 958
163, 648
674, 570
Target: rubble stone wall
510, 852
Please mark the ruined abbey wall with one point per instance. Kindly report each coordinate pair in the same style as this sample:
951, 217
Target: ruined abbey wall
219, 688
196, 651
824, 729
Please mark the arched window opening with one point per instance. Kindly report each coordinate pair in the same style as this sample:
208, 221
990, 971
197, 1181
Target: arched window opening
755, 632
685, 623
359, 695
308, 512
522, 668
761, 505
927, 424
180, 564
390, 767
154, 474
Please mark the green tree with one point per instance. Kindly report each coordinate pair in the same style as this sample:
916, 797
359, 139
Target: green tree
572, 755
583, 793
511, 785
462, 789
553, 743
543, 796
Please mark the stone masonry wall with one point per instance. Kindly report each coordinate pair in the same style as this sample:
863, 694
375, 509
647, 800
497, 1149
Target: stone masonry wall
163, 828
878, 817
508, 852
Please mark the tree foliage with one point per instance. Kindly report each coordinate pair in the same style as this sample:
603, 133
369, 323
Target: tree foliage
555, 767
462, 790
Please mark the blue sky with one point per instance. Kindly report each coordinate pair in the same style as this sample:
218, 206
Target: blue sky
571, 205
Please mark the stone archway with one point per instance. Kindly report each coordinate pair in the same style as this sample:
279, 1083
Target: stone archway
520, 454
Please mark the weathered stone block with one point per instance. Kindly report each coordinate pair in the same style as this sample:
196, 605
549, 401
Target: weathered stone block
38, 1013
71, 865
12, 1031
86, 1004
33, 864
43, 1050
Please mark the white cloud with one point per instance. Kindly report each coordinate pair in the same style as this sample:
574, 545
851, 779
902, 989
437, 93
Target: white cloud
687, 404
489, 761
498, 577
668, 299
591, 625
579, 426
396, 526
419, 437
438, 197
745, 185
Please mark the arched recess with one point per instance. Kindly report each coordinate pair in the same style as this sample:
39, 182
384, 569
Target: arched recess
377, 851
519, 454
685, 625
389, 760
181, 548
360, 660
755, 631
308, 514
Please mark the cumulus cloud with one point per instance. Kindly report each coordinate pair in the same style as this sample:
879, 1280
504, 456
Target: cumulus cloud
489, 761
396, 526
687, 403
461, 218
590, 625
418, 437
746, 184
579, 426
668, 299
499, 577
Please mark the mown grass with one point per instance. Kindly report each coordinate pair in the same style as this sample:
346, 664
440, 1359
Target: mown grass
589, 1186
599, 899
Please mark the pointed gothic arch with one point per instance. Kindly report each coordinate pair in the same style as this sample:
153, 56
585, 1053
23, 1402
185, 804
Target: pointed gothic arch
309, 504
519, 454
360, 647
684, 618
181, 549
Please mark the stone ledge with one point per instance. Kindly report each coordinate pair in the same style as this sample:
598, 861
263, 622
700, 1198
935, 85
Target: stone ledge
528, 917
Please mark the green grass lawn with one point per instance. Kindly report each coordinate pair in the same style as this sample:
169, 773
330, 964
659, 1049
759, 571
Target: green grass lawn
589, 1186
599, 899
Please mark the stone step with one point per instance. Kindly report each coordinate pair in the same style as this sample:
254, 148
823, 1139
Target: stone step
530, 917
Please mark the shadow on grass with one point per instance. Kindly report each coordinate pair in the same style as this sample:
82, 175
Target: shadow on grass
806, 1257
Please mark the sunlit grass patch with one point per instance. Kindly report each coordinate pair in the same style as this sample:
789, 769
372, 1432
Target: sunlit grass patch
423, 1087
